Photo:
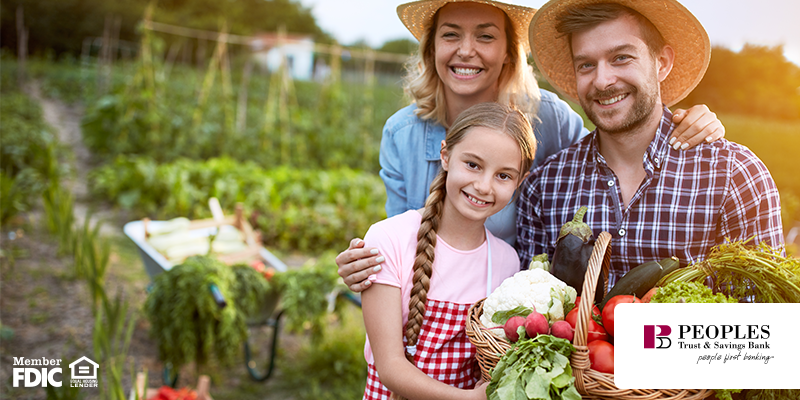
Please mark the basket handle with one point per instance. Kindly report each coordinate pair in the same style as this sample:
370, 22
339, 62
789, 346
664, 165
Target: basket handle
601, 256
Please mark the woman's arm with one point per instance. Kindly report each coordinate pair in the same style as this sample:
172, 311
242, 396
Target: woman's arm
381, 307
357, 263
694, 126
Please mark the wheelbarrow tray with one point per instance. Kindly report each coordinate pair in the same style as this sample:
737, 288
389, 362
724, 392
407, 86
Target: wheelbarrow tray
155, 262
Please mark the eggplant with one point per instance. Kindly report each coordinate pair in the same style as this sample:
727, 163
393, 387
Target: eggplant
571, 257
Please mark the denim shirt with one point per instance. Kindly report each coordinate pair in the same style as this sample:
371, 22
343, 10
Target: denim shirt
410, 147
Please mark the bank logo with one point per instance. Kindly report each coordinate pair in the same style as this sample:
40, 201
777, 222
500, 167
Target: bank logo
650, 336
84, 372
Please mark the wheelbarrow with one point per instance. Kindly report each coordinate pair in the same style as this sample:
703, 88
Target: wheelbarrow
269, 317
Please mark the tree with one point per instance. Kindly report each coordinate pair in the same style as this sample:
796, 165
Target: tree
758, 80
51, 30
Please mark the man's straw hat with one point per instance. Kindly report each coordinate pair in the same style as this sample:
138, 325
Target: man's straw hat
680, 29
418, 15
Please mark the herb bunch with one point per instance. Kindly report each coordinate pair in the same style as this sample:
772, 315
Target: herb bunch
761, 272
186, 321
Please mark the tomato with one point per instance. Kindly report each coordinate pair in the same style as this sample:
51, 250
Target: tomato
595, 331
601, 356
572, 315
611, 304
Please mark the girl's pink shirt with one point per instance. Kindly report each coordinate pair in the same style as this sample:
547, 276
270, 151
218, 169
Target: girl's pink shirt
459, 276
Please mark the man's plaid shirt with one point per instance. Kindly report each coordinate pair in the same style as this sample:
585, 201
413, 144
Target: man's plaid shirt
690, 201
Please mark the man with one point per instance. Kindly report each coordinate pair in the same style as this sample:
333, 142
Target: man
625, 62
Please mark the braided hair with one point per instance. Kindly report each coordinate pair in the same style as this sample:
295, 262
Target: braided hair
490, 115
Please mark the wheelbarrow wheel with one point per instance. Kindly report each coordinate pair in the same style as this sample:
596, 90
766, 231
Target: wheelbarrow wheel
260, 354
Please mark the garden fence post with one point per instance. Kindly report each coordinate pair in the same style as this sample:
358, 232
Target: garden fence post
22, 45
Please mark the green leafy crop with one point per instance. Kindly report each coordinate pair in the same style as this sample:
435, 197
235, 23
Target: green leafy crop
688, 292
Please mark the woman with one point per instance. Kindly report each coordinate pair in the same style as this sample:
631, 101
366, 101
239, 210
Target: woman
467, 56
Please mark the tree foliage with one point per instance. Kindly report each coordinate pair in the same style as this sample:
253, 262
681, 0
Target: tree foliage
60, 26
758, 80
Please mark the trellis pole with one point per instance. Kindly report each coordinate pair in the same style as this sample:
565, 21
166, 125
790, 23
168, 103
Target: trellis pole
22, 45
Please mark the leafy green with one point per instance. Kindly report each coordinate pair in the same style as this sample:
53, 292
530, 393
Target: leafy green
307, 210
536, 368
187, 322
305, 294
772, 394
725, 394
250, 289
501, 317
29, 152
688, 292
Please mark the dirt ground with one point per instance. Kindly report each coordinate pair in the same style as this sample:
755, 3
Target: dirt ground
46, 312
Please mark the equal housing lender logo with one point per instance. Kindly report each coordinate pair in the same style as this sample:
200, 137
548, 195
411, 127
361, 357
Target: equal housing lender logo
43, 372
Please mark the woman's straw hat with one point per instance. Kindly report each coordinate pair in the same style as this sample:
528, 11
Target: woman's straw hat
418, 15
680, 29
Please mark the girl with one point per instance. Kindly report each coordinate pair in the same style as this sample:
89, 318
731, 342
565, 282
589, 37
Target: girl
441, 259
472, 52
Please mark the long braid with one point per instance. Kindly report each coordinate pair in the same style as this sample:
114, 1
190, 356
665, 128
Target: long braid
423, 262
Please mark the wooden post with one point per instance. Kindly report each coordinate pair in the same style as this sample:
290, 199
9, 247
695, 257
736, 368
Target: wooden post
22, 45
336, 63
241, 104
369, 68
102, 64
201, 52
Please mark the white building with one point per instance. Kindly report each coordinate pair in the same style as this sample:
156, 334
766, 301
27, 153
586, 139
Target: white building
270, 50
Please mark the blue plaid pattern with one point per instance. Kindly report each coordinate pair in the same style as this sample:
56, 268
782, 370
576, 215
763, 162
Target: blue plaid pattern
689, 201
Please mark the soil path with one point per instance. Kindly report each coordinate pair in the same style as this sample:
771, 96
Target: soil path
66, 121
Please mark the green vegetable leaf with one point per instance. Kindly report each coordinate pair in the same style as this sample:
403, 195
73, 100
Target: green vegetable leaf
535, 368
501, 317
538, 386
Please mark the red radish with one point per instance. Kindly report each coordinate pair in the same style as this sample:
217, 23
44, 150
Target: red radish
562, 329
536, 324
510, 327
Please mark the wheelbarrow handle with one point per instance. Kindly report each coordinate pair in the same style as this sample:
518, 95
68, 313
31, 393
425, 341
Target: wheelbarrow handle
218, 298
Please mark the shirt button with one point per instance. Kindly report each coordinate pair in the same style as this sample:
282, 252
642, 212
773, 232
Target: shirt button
656, 160
622, 232
611, 183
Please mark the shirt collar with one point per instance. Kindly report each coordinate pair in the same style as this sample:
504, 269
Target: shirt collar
656, 153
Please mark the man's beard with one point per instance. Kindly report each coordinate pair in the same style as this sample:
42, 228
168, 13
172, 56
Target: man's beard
645, 102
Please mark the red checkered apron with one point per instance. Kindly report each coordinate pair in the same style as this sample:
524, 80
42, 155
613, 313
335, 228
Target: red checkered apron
443, 350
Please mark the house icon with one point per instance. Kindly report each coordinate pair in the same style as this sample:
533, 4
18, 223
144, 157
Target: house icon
83, 368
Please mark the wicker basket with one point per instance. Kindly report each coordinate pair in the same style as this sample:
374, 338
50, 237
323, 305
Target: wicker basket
590, 383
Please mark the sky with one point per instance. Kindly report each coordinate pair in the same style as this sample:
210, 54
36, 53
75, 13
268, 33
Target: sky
729, 23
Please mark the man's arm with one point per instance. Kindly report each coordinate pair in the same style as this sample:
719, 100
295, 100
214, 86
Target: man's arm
752, 206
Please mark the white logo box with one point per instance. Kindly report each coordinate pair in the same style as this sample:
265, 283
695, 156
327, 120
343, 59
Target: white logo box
724, 346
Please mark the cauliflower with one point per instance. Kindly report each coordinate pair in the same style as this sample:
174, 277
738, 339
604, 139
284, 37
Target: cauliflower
533, 289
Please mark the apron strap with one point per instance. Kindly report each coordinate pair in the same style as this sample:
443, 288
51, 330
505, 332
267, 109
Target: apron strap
489, 265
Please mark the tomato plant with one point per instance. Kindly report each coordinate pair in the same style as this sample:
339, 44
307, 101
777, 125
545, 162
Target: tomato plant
601, 356
611, 304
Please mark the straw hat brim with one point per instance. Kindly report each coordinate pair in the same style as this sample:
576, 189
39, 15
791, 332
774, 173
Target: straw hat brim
678, 26
418, 15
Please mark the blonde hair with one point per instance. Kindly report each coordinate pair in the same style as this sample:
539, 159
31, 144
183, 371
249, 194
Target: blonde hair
499, 117
517, 84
